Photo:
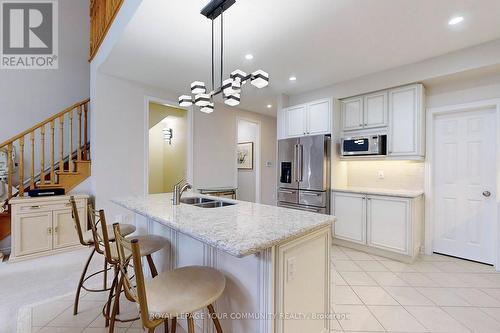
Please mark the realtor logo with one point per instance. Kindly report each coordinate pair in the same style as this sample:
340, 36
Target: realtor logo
29, 34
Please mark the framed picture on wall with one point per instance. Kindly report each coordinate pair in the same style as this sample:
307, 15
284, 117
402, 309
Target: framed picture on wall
245, 156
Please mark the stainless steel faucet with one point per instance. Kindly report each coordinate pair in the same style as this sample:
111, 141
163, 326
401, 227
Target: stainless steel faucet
180, 188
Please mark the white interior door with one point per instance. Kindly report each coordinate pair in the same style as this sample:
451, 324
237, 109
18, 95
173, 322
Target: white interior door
464, 185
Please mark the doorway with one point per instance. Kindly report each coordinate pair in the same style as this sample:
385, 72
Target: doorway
248, 160
464, 184
167, 147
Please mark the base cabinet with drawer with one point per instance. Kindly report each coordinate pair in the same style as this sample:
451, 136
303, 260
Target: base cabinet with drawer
43, 226
381, 224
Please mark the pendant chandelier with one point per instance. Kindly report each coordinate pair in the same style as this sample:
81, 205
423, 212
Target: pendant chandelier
229, 88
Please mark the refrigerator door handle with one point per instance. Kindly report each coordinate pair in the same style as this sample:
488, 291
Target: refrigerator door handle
301, 163
294, 164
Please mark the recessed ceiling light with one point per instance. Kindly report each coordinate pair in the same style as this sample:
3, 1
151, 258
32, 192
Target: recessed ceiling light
455, 20
249, 56
269, 106
292, 78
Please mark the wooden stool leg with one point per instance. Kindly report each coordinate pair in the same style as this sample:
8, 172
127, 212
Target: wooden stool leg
174, 325
165, 324
218, 328
190, 323
80, 283
152, 266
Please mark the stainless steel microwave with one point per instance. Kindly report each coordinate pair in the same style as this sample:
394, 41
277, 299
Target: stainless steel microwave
364, 145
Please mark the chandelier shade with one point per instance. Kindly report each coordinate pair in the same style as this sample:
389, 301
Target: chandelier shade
260, 79
198, 87
185, 100
202, 100
232, 100
209, 108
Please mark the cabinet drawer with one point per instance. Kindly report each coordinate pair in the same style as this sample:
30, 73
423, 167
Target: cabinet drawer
45, 207
311, 198
288, 195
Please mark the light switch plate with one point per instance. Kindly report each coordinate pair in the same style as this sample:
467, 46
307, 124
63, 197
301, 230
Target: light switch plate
269, 164
380, 174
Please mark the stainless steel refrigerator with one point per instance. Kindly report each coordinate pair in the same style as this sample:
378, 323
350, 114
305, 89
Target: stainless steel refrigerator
304, 173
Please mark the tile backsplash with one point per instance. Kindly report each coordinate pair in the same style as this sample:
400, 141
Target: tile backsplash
408, 175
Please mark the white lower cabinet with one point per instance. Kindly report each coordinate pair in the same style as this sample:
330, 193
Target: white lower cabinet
388, 223
42, 226
383, 224
32, 233
350, 211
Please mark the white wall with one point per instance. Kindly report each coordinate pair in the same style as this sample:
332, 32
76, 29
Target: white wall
30, 96
398, 175
247, 132
476, 57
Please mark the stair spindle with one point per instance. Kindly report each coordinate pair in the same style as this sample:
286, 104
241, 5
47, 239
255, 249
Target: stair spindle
10, 166
79, 148
42, 155
52, 160
85, 132
21, 166
70, 161
61, 144
32, 164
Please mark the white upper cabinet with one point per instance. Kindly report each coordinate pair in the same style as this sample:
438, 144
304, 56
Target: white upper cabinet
306, 119
295, 121
319, 117
406, 121
375, 110
352, 113
280, 122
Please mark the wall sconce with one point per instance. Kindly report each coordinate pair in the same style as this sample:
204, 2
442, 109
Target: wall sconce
168, 135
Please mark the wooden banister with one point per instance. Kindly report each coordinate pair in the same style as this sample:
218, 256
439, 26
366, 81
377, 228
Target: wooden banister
47, 166
45, 122
102, 15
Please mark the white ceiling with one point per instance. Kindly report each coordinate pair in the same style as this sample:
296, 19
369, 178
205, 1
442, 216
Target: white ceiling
321, 42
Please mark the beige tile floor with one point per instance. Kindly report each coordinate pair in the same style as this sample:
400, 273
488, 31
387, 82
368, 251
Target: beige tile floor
369, 294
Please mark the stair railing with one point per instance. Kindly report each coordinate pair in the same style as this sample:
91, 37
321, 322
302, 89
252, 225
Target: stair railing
48, 172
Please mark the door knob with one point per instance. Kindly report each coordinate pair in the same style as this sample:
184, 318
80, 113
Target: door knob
486, 194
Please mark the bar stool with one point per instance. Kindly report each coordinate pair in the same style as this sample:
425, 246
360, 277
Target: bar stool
149, 245
180, 291
87, 238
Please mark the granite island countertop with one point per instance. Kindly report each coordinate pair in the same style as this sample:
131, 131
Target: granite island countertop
240, 230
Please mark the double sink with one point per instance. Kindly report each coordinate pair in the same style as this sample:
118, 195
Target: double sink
205, 202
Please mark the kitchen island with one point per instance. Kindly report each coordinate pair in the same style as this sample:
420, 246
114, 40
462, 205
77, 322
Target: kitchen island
276, 260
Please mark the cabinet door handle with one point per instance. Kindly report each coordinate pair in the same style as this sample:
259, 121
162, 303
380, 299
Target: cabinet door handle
35, 207
55, 230
49, 231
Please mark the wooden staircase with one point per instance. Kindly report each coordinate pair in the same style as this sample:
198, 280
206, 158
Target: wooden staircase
64, 135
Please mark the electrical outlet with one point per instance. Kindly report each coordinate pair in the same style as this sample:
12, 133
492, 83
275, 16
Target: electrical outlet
291, 268
269, 164
380, 174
